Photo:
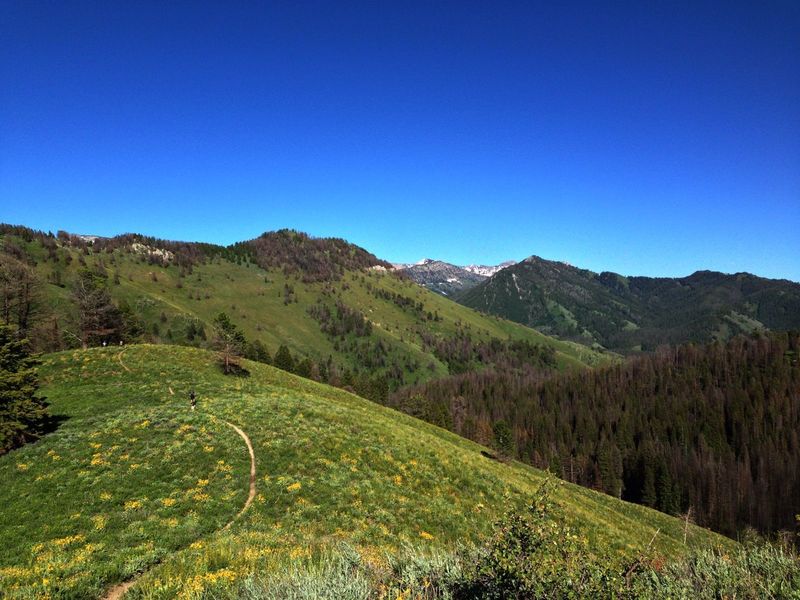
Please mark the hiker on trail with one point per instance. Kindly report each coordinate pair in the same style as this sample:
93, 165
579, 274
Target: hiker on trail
192, 399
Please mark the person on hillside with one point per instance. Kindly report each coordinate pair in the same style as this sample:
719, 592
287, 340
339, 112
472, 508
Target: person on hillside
192, 399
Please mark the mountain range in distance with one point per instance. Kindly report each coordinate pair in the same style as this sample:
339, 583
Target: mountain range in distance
625, 314
630, 314
622, 313
446, 278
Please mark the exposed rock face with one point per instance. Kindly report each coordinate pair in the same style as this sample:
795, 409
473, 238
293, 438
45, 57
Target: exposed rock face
446, 278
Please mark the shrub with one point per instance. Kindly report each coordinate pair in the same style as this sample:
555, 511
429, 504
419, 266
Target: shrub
534, 554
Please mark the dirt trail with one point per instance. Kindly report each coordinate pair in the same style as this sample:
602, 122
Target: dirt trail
252, 494
118, 591
119, 358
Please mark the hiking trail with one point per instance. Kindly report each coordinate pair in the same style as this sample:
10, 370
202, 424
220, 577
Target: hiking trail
118, 591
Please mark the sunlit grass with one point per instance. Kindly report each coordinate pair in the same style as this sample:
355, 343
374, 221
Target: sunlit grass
331, 468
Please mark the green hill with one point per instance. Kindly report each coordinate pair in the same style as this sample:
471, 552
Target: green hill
133, 479
629, 314
330, 302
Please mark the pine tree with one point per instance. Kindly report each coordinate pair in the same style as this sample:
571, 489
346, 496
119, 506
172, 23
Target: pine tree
100, 320
19, 287
503, 439
229, 342
258, 352
303, 368
649, 497
283, 359
23, 415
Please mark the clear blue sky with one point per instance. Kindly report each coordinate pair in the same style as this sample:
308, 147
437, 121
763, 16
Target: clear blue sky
650, 138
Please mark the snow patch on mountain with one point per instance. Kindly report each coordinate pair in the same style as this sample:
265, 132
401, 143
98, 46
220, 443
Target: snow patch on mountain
488, 270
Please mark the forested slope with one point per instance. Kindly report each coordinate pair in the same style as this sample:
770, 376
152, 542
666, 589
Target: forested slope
628, 314
714, 429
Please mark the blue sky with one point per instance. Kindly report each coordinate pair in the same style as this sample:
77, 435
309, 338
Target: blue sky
652, 138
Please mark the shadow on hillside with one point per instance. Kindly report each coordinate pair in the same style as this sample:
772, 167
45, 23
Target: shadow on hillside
53, 422
235, 371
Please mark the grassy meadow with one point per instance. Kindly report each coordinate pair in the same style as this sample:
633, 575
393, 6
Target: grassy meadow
133, 482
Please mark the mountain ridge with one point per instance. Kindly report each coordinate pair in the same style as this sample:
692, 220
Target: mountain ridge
631, 313
342, 313
446, 278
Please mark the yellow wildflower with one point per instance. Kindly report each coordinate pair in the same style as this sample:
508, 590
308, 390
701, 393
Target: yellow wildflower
294, 487
66, 541
425, 535
168, 501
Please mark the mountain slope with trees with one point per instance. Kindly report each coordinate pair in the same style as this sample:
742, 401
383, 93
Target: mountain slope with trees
442, 277
628, 314
712, 432
321, 308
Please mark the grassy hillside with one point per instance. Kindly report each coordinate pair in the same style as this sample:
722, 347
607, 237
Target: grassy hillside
636, 313
133, 478
174, 298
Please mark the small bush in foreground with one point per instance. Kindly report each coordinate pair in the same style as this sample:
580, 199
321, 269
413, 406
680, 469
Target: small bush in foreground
534, 554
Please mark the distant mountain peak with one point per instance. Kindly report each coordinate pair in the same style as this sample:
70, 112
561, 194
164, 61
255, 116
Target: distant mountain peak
628, 314
489, 270
446, 278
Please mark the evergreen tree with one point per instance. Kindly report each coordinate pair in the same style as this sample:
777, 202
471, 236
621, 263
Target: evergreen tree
609, 463
23, 415
132, 327
303, 368
283, 359
99, 319
229, 342
257, 351
504, 439
649, 497
19, 287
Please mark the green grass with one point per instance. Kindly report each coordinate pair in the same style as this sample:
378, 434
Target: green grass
254, 300
332, 468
